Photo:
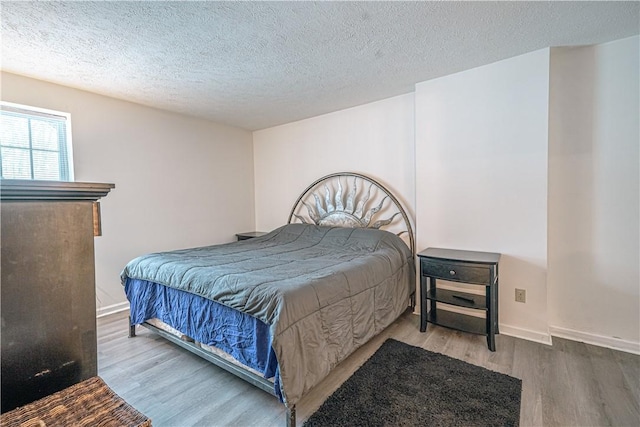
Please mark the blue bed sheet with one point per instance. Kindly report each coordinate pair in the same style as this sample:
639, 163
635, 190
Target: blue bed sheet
244, 337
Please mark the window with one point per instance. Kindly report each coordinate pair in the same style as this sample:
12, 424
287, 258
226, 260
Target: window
35, 143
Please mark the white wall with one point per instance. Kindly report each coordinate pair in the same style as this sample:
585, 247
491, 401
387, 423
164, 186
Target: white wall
375, 139
469, 161
481, 176
594, 214
180, 181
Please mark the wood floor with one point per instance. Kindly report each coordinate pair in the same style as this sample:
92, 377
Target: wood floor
567, 384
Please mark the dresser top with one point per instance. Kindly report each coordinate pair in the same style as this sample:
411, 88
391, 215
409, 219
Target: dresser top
458, 255
30, 190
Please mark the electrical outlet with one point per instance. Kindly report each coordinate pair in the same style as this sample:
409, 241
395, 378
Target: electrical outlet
521, 295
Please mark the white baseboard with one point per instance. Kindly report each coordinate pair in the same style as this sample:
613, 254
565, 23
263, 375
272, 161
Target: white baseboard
513, 331
570, 334
525, 334
594, 339
111, 309
516, 332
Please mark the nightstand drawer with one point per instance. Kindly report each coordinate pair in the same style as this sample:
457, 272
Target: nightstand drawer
456, 272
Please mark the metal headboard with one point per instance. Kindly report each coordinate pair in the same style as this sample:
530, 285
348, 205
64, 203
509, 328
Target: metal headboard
366, 199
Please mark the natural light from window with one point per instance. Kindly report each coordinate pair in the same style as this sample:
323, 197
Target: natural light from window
35, 143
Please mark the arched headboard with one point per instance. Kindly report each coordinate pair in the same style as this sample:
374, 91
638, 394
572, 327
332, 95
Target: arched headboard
355, 201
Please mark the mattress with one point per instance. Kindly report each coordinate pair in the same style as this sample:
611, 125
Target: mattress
321, 292
217, 328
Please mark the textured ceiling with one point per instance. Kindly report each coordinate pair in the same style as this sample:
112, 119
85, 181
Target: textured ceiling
260, 64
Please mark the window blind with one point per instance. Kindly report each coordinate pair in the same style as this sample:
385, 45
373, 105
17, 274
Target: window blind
34, 144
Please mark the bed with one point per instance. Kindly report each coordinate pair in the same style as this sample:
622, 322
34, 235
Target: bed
282, 310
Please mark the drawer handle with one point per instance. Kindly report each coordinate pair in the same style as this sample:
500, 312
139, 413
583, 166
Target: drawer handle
452, 272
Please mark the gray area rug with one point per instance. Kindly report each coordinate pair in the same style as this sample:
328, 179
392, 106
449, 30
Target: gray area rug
403, 385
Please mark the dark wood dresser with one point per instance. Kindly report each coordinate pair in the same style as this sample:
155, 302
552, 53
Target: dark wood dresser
48, 303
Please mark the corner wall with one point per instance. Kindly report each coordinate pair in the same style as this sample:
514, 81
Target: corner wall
594, 191
180, 181
374, 139
481, 176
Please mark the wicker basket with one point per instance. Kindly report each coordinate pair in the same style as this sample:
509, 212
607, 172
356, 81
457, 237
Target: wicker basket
89, 403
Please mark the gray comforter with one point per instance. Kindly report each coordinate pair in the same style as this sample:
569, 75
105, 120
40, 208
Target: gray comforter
323, 291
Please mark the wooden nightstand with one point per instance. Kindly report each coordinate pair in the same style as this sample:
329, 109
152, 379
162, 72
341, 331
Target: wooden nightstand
479, 268
249, 235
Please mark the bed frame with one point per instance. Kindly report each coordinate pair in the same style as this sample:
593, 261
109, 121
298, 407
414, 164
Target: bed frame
366, 201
